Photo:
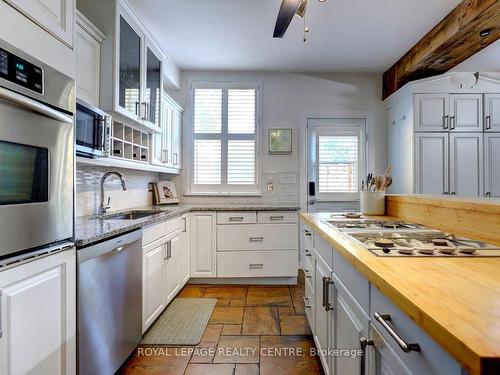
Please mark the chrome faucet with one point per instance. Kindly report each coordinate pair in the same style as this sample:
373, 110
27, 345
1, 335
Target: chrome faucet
105, 207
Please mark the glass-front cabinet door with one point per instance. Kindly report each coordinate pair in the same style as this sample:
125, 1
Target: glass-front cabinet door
129, 86
153, 89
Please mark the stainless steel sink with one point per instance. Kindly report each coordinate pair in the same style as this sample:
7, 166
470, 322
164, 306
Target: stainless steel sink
131, 215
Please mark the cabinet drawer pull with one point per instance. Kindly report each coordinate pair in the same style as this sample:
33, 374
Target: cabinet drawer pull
276, 218
184, 227
307, 233
307, 253
236, 218
405, 347
169, 250
307, 274
256, 266
452, 122
363, 343
307, 305
445, 122
327, 281
488, 122
256, 239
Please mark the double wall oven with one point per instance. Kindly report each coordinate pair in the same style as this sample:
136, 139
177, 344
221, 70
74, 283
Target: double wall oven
36, 154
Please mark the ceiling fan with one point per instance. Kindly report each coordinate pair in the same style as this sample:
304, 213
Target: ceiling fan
288, 9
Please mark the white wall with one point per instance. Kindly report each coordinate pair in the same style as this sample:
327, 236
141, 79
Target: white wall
286, 97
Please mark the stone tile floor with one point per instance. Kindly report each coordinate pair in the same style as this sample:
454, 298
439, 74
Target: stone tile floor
253, 330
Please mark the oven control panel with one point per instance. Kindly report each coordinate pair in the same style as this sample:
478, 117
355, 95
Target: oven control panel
21, 72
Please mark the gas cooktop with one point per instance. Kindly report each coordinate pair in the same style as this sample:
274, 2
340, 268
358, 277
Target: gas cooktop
357, 225
424, 244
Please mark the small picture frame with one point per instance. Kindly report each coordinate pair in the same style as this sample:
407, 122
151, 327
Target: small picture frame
165, 193
279, 141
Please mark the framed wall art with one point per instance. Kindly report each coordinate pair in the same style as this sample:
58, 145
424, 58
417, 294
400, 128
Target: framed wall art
280, 141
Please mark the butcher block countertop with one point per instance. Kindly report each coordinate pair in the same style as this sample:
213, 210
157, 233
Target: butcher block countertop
455, 301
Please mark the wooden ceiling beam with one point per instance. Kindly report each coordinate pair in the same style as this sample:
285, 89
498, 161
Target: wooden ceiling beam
455, 39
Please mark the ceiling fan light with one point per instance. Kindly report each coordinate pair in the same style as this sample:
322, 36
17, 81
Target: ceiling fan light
301, 10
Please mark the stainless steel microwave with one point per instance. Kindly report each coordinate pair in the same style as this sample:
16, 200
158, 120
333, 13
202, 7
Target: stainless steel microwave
93, 131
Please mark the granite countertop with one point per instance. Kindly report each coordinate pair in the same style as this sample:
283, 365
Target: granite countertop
92, 229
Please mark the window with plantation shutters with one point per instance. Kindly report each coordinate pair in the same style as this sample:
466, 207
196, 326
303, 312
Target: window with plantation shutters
224, 148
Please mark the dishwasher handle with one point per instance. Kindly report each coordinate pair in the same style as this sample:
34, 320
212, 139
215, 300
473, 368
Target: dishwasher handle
116, 245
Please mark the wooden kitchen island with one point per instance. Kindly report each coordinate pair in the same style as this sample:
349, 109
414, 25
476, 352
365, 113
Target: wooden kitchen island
455, 301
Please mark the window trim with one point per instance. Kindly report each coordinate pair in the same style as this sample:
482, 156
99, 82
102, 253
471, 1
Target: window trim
224, 136
348, 130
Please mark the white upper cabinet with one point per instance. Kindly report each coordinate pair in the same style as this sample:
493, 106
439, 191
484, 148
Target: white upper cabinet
431, 112
176, 138
492, 112
166, 145
466, 164
492, 165
448, 112
88, 41
431, 163
55, 16
466, 113
131, 62
129, 85
153, 85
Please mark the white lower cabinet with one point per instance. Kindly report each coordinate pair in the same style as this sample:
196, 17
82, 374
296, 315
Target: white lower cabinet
341, 310
173, 266
324, 304
186, 249
38, 316
203, 244
163, 268
381, 358
154, 285
351, 326
257, 244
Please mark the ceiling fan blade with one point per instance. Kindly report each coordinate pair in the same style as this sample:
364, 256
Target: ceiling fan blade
285, 15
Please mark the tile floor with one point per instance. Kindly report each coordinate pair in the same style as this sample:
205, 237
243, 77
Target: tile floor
253, 330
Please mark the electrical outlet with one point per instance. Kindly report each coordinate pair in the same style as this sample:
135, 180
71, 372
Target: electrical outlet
289, 179
270, 186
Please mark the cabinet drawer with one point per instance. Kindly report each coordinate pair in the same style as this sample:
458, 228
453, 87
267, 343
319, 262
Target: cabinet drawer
276, 217
237, 217
173, 225
257, 237
153, 232
257, 264
431, 359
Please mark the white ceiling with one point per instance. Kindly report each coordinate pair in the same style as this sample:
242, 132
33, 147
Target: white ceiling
346, 35
486, 60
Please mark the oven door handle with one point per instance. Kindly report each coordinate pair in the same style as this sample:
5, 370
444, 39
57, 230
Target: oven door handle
35, 106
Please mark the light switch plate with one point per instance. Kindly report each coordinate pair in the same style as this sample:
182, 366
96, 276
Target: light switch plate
288, 179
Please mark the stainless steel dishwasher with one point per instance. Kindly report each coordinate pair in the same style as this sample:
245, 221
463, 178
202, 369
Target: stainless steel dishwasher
109, 303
